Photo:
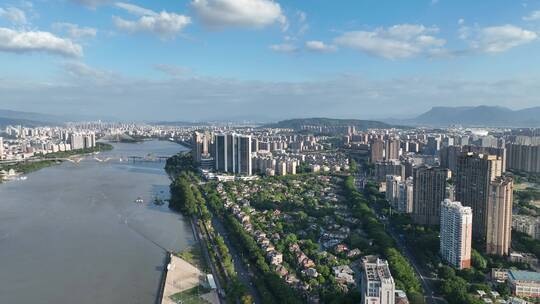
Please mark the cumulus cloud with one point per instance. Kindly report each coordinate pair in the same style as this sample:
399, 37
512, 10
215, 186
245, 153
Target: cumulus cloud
74, 31
319, 46
164, 24
284, 48
16, 41
14, 15
396, 42
533, 16
497, 39
219, 14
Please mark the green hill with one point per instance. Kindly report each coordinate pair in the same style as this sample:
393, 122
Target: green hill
296, 124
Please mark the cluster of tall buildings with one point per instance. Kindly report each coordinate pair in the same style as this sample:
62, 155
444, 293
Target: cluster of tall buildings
247, 152
80, 141
400, 193
1, 148
524, 157
233, 153
529, 225
22, 143
430, 189
224, 152
455, 181
329, 129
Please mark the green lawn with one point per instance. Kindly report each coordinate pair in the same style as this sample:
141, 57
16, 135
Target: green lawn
191, 296
193, 255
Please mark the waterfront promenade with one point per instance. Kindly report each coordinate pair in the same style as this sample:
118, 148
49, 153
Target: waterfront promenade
182, 276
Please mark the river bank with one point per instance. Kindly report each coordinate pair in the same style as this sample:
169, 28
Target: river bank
15, 170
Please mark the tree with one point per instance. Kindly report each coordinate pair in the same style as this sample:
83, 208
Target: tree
353, 166
478, 261
247, 299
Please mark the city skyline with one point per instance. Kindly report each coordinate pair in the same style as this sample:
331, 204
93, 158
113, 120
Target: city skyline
164, 60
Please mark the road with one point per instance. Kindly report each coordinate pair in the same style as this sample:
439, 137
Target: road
198, 237
429, 293
244, 274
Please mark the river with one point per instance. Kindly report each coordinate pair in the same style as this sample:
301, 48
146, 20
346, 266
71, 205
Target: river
74, 234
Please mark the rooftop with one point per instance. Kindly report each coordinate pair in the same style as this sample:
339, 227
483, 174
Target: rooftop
519, 275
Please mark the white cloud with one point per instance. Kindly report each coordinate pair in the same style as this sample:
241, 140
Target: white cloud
497, 39
284, 48
80, 70
302, 23
173, 70
14, 15
74, 31
134, 9
218, 14
533, 16
396, 42
35, 41
302, 16
164, 24
92, 3
319, 46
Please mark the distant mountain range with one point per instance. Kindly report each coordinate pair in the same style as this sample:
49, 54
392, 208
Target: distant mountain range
31, 119
296, 124
489, 116
480, 116
9, 117
23, 122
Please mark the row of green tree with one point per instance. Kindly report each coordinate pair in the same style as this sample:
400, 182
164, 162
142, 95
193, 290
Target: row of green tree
186, 197
179, 163
402, 271
27, 167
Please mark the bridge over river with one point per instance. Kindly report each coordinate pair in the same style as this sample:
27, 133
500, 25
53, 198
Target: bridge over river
94, 157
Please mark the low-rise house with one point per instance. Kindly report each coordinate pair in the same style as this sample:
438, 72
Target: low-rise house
307, 263
354, 253
281, 271
311, 272
341, 248
523, 257
291, 279
274, 257
499, 275
268, 248
344, 274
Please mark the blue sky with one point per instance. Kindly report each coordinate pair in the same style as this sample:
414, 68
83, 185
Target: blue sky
263, 59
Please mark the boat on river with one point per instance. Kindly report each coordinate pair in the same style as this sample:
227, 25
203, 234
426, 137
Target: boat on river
158, 201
